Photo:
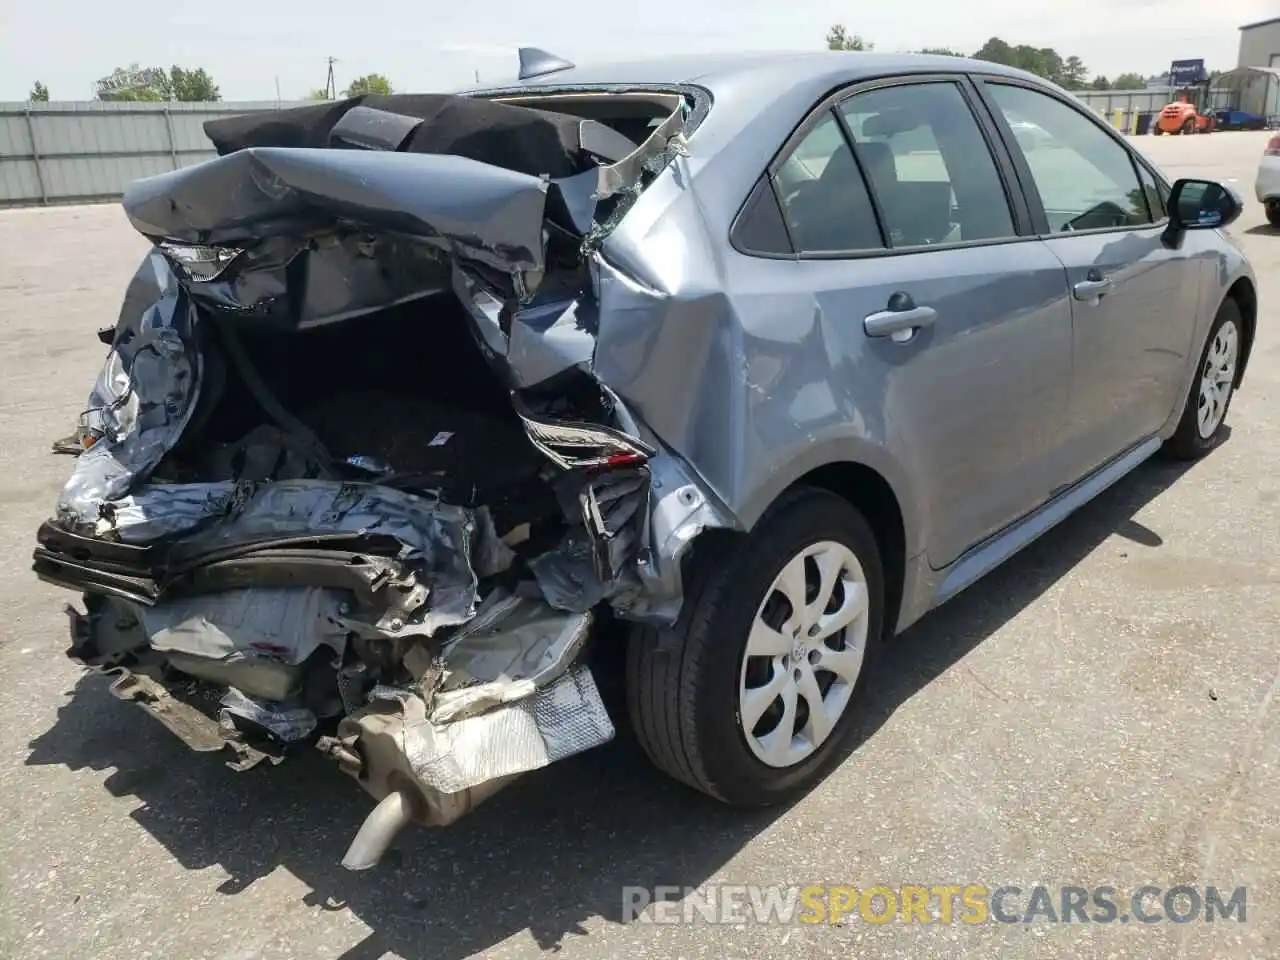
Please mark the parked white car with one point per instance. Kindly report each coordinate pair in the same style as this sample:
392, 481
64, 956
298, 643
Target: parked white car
1268, 184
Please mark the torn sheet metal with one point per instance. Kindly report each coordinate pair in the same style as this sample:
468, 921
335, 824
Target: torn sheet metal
430, 584
474, 211
666, 140
144, 395
439, 537
282, 623
554, 722
512, 647
286, 724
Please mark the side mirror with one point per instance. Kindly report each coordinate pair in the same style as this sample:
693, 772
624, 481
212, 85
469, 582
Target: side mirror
1201, 205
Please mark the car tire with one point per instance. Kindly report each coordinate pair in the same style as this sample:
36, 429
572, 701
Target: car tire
692, 688
1189, 127
1204, 415
1273, 212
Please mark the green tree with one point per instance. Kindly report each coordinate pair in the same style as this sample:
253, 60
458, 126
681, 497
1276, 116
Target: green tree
1099, 83
318, 94
942, 52
39, 93
995, 50
374, 83
192, 86
838, 38
1129, 81
1074, 73
1042, 61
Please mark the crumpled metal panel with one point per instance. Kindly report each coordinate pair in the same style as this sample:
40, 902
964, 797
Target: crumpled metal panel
465, 208
303, 283
441, 539
156, 510
554, 722
287, 624
143, 397
285, 723
439, 535
513, 646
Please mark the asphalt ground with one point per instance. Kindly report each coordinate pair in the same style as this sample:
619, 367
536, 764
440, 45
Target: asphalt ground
1099, 711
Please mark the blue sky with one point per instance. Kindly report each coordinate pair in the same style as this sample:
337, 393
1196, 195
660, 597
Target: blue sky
248, 44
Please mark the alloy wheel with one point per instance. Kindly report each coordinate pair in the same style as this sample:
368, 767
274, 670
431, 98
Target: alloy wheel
1217, 379
804, 654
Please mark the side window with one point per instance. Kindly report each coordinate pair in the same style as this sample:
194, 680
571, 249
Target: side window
823, 196
1086, 180
1155, 199
759, 228
929, 165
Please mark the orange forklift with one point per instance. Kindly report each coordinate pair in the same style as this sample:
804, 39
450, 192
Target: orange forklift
1191, 112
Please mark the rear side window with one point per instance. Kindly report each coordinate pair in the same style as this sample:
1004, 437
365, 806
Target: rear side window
823, 195
1086, 180
760, 228
929, 165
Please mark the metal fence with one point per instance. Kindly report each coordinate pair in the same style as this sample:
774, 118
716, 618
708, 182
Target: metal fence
82, 152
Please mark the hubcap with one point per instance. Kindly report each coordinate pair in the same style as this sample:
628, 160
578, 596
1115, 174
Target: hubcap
804, 654
1217, 379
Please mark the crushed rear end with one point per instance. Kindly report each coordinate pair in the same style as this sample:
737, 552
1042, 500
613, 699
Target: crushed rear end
348, 479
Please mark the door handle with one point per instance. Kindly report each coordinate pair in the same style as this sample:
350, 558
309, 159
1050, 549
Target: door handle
1092, 288
895, 323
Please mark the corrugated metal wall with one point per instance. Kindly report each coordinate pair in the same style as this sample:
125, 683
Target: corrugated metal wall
1107, 102
80, 152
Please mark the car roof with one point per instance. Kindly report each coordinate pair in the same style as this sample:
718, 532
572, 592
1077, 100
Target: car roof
745, 70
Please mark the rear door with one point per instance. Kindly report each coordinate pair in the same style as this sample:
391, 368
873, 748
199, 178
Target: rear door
1134, 300
954, 320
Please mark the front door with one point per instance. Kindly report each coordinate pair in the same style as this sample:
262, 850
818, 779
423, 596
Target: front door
1134, 300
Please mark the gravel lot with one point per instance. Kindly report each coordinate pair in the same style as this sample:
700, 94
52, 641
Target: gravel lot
1099, 711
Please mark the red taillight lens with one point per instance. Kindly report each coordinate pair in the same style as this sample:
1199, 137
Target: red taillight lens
1273, 148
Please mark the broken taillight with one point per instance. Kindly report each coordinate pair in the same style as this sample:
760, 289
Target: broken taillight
573, 445
199, 263
1273, 148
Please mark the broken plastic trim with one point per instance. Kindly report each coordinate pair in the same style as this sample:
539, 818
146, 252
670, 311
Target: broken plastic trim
200, 264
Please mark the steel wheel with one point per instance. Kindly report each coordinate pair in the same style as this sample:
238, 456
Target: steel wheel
1217, 379
804, 654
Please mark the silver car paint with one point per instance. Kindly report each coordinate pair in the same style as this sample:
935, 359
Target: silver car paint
716, 319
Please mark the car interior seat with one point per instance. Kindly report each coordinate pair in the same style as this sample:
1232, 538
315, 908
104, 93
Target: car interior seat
835, 213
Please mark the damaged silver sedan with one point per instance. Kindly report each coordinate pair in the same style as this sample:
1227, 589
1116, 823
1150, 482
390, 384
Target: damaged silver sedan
415, 396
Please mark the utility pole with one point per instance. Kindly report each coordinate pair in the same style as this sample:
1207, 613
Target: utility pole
330, 85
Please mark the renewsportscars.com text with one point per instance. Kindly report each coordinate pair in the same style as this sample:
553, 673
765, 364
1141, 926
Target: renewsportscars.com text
944, 903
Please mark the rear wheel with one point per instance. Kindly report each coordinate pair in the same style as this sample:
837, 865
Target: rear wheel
749, 697
1202, 426
1273, 212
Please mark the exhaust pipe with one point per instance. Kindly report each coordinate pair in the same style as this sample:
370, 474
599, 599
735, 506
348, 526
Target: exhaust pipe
373, 838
